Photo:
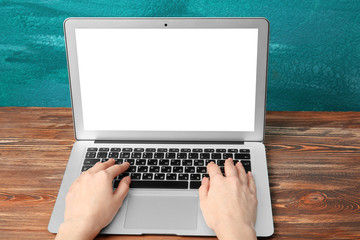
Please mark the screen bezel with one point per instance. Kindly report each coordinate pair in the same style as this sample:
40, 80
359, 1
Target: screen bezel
261, 24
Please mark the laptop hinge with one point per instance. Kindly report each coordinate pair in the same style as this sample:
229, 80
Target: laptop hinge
170, 142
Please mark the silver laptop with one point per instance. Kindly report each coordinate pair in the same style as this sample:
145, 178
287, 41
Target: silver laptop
168, 95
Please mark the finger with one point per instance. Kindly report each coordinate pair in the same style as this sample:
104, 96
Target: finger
230, 169
241, 173
122, 190
252, 185
204, 189
102, 166
116, 169
213, 170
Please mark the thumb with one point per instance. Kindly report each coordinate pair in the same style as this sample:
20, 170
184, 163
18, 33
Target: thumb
122, 190
204, 189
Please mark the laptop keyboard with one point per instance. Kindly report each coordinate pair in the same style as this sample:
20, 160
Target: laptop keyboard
168, 168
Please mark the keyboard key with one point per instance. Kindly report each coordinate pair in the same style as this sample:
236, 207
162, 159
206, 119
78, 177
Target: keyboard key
181, 155
204, 155
165, 169
102, 155
127, 149
205, 175
130, 161
131, 169
235, 161
154, 169
119, 161
135, 176
227, 155
170, 155
124, 154
201, 169
103, 149
150, 150
90, 155
85, 168
247, 165
113, 155
162, 150
122, 175
193, 155
117, 181
140, 162
185, 150
147, 176
216, 156
163, 162
209, 150
136, 155
187, 162
194, 176
158, 155
143, 169
197, 150
175, 162
152, 162
138, 150
104, 160
160, 184
220, 162
222, 169
170, 176
245, 150
91, 161
232, 150
220, 150
208, 161
159, 176
242, 156
195, 184
148, 155
174, 150
92, 149
198, 162
183, 176
115, 149
178, 169
189, 169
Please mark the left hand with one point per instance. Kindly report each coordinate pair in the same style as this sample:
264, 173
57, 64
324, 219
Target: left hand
91, 203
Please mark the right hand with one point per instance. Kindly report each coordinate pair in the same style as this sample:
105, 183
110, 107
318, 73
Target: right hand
229, 203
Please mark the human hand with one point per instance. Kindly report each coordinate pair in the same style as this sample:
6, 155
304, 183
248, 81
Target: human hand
91, 203
229, 203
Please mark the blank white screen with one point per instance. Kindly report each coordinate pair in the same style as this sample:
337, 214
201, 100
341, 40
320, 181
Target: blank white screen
168, 79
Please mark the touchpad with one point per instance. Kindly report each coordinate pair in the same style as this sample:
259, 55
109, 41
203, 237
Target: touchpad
161, 212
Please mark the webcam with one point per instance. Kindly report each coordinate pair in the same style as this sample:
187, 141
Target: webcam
165, 24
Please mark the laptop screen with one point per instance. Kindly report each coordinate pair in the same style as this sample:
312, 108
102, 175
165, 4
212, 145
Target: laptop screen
168, 79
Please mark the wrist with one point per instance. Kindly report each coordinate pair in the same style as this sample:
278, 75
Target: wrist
76, 230
235, 232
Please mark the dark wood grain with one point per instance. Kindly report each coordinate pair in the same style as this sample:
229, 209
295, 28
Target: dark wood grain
313, 161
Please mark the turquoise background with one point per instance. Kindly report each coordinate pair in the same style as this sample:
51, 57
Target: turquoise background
314, 60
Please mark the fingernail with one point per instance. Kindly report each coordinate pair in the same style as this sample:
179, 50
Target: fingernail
250, 174
128, 179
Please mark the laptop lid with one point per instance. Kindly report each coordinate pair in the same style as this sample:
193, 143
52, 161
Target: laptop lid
168, 79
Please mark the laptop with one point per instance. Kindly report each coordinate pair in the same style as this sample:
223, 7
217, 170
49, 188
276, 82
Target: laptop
167, 95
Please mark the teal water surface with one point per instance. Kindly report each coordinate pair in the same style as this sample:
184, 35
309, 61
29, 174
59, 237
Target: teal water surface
314, 59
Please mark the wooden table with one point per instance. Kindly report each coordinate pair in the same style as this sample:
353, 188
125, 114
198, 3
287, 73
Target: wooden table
313, 159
